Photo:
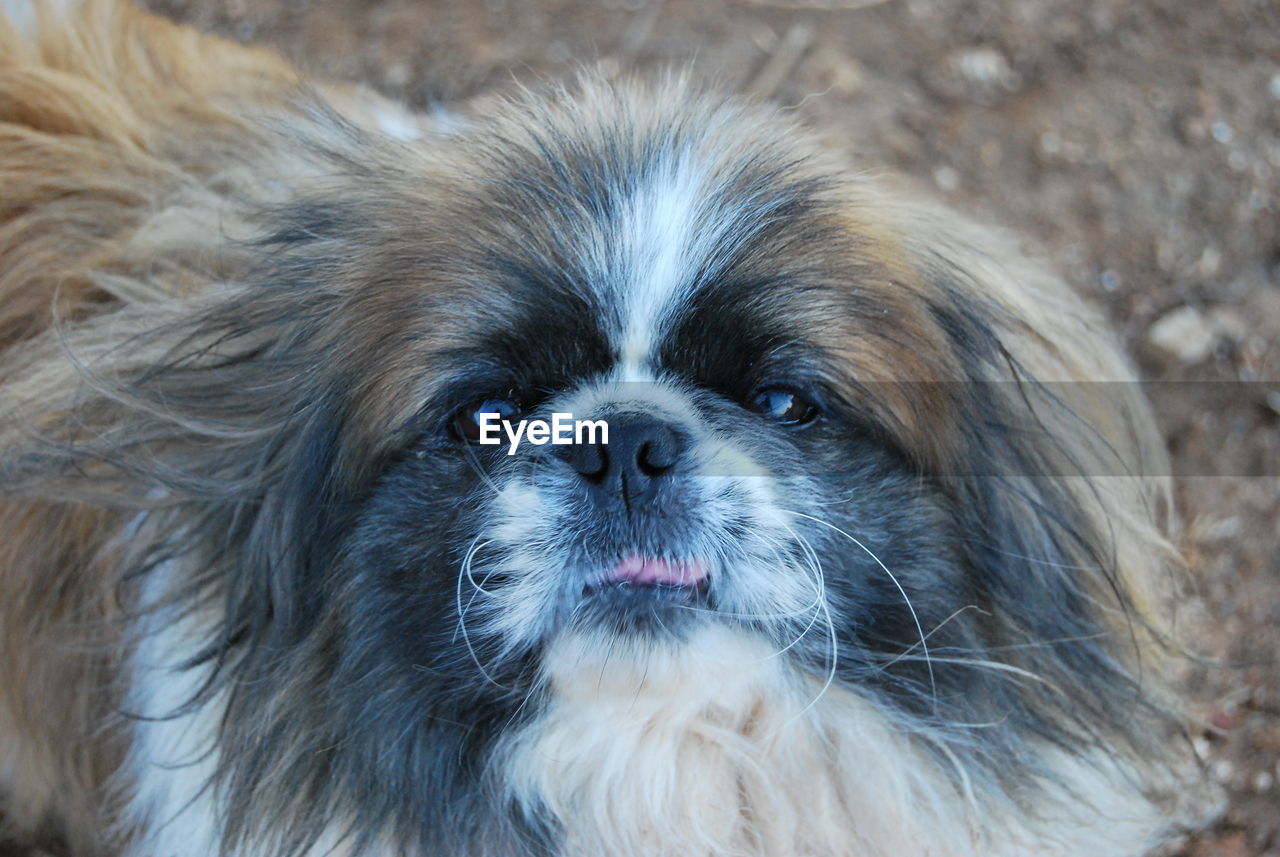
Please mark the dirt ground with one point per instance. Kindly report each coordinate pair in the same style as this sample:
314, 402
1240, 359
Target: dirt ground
1135, 144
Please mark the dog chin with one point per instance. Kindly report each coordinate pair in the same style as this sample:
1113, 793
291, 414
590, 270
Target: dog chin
670, 669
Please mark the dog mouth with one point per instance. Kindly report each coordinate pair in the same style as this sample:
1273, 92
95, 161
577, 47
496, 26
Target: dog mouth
645, 575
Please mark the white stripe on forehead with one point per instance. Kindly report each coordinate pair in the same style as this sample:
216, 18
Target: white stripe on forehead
657, 249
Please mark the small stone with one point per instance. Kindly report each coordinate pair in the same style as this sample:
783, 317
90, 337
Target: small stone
946, 178
1263, 781
985, 66
1222, 132
1225, 719
1221, 771
986, 71
1050, 142
1183, 334
1210, 262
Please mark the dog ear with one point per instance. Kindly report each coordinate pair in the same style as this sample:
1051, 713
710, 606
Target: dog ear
1045, 500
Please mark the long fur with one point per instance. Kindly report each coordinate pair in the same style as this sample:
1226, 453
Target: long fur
233, 309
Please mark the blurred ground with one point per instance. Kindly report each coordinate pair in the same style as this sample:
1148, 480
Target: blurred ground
1136, 144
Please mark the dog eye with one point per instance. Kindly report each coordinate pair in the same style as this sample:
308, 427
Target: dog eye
466, 423
783, 406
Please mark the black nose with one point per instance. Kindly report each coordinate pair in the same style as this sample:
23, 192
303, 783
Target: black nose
631, 466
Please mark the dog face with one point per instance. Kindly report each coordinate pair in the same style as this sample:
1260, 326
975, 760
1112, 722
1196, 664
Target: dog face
694, 297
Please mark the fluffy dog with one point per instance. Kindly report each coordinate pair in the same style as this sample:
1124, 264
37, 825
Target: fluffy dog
869, 565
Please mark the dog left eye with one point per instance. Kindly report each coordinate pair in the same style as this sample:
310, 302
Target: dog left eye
466, 423
783, 406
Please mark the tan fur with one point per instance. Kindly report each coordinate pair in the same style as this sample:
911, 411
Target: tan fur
101, 205
126, 159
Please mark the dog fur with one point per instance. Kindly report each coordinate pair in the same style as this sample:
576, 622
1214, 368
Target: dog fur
225, 290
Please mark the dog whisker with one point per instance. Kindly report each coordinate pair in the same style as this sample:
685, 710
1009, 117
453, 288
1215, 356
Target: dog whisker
924, 646
462, 628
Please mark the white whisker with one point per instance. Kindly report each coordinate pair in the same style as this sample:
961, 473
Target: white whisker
994, 666
462, 622
924, 646
936, 628
815, 605
823, 609
821, 581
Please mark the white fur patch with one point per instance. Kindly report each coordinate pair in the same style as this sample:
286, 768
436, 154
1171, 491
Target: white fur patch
20, 15
172, 758
173, 811
659, 239
715, 748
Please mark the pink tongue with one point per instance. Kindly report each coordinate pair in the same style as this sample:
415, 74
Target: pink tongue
651, 570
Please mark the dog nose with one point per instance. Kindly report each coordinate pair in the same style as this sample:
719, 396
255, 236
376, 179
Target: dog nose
641, 452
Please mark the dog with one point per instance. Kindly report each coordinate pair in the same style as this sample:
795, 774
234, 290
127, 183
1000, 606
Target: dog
875, 560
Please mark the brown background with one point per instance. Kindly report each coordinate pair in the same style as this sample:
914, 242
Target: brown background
1136, 145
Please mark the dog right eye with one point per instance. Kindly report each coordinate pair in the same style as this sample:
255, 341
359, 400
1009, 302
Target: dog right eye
784, 406
466, 423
